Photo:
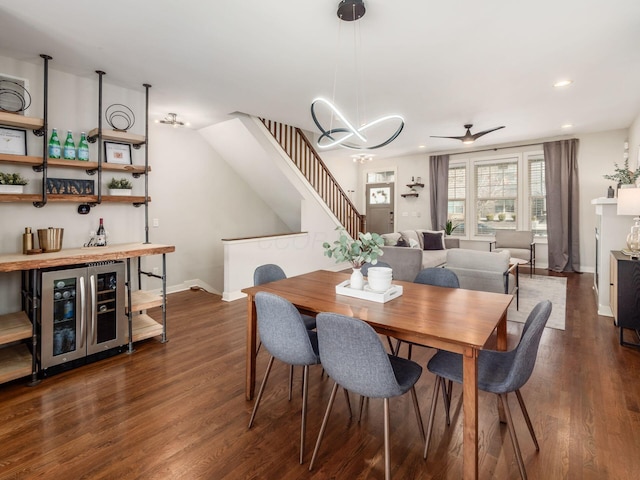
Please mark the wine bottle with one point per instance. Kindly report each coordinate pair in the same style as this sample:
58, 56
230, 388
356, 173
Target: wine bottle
69, 151
83, 148
101, 237
54, 145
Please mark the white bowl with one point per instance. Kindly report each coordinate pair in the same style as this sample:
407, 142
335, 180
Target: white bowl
380, 272
379, 284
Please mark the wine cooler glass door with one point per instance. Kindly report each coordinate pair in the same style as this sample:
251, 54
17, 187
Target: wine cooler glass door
107, 323
62, 317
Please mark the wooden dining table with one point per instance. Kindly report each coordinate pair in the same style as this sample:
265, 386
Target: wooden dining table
452, 319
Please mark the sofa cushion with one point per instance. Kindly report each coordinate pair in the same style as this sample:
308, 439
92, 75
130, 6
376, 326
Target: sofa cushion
432, 241
409, 235
421, 235
433, 258
391, 239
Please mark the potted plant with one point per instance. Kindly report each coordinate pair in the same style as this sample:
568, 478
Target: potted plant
12, 183
357, 252
120, 186
624, 176
449, 227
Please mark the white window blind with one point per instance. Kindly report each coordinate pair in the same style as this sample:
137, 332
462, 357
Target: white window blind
496, 196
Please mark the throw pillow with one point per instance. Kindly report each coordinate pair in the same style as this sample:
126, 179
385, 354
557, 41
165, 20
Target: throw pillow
413, 243
421, 232
402, 243
409, 235
432, 241
390, 239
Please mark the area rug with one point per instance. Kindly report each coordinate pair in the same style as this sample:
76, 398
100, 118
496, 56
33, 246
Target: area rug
536, 289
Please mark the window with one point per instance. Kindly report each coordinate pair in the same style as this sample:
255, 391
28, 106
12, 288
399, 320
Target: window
502, 192
381, 177
496, 187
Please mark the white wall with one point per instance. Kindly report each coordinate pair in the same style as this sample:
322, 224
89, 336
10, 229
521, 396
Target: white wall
634, 143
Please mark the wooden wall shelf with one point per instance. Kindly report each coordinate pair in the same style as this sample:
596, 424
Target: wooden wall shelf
20, 121
57, 198
409, 195
116, 136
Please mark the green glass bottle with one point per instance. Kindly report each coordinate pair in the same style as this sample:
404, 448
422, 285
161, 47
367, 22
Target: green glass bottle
54, 145
69, 151
83, 148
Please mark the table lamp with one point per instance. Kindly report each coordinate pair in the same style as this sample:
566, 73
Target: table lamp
629, 204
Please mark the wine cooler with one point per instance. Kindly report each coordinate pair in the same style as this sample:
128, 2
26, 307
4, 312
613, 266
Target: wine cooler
82, 315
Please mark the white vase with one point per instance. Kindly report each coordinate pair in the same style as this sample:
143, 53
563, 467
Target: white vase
11, 188
357, 280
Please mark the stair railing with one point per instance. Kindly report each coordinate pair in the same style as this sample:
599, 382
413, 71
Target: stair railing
304, 156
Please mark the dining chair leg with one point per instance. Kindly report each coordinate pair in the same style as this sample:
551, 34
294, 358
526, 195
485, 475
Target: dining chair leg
512, 434
447, 400
387, 446
391, 349
346, 397
527, 419
396, 350
432, 414
361, 408
410, 351
416, 407
261, 391
325, 420
303, 426
290, 381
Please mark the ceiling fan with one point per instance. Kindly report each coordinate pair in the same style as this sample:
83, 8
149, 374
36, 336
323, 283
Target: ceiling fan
470, 137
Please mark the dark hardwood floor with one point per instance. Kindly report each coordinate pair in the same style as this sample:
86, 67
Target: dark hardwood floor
177, 411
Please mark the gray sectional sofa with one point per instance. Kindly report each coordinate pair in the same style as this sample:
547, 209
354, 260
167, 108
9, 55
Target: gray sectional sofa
409, 251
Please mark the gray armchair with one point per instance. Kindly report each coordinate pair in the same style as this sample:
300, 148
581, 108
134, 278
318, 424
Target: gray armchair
484, 271
519, 242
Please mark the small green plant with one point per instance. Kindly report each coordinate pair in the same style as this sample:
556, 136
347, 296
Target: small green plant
513, 217
623, 175
12, 179
120, 184
357, 252
501, 217
449, 227
490, 217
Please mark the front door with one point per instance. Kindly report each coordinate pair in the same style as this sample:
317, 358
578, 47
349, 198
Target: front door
380, 207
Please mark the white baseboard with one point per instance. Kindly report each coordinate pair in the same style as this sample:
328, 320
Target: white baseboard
186, 285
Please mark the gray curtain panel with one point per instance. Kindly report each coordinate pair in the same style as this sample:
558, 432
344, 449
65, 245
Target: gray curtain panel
561, 181
439, 175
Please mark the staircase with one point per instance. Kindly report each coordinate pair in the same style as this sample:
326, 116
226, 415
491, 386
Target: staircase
298, 148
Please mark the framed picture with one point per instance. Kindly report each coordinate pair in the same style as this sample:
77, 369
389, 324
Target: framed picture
13, 141
117, 153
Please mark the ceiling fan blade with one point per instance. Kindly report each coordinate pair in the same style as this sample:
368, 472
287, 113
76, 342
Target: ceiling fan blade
455, 138
479, 134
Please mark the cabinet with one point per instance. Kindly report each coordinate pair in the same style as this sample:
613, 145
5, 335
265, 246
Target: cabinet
625, 294
20, 335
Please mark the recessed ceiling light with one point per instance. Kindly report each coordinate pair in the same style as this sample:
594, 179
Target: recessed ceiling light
422, 146
562, 83
566, 125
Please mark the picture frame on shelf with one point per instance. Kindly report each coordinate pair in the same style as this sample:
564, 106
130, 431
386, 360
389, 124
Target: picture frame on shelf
70, 186
13, 141
119, 153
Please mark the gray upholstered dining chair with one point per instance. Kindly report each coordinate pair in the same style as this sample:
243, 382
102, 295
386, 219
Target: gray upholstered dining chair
353, 356
499, 373
286, 338
436, 276
520, 244
271, 273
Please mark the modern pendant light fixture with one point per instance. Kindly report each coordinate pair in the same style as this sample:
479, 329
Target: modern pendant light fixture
356, 134
172, 119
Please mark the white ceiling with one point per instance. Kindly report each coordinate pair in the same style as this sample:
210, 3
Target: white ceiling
439, 64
